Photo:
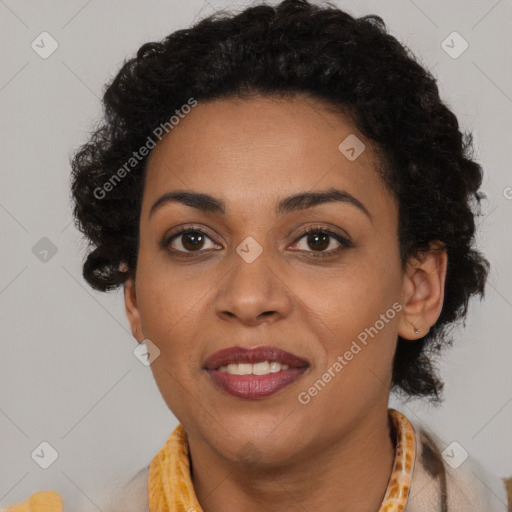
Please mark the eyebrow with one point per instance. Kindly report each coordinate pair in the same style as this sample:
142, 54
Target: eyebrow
301, 201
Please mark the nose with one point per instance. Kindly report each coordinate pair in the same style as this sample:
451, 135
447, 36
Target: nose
253, 292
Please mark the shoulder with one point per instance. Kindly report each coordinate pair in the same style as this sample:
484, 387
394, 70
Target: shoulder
445, 477
131, 496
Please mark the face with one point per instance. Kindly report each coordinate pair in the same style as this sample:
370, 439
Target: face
249, 275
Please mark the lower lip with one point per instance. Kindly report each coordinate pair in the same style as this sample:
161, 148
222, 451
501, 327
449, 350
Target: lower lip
255, 386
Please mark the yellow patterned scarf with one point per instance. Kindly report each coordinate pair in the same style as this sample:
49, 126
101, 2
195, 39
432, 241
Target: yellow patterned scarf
170, 485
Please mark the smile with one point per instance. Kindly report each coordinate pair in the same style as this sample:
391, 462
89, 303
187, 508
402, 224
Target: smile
254, 373
263, 368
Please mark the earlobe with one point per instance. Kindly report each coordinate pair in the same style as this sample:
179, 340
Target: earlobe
423, 292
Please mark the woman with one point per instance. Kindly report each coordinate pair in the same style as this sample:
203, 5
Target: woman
289, 207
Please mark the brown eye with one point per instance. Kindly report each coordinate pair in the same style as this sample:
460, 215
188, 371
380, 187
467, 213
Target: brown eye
188, 240
320, 239
193, 241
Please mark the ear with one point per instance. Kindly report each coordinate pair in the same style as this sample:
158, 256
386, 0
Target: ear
423, 292
132, 311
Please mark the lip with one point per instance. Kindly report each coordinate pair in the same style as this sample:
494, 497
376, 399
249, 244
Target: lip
254, 386
252, 355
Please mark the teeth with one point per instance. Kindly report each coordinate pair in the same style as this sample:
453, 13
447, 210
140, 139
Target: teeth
275, 367
263, 368
244, 369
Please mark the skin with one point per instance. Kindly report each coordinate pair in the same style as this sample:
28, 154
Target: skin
250, 153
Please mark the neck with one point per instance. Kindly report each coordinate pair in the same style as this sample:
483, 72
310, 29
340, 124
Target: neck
347, 474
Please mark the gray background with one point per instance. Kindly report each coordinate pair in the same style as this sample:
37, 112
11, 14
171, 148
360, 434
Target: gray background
68, 375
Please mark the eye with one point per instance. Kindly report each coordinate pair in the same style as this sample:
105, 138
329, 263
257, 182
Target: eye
188, 240
320, 239
192, 240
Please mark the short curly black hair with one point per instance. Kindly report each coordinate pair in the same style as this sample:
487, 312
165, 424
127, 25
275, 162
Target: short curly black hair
353, 65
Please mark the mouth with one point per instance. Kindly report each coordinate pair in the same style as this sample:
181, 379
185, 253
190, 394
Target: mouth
254, 373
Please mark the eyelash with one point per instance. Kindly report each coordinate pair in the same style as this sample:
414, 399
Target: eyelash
324, 231
345, 243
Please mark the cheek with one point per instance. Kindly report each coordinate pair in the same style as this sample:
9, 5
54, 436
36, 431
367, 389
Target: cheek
169, 301
358, 347
351, 297
355, 315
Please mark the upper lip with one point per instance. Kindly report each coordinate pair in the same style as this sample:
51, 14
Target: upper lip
252, 355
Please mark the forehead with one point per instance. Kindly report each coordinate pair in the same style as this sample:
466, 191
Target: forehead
255, 151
